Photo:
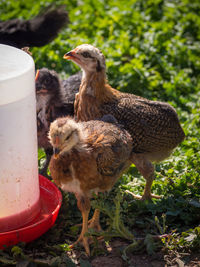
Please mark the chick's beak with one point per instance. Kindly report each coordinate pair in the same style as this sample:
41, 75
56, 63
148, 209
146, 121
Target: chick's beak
37, 75
69, 55
56, 152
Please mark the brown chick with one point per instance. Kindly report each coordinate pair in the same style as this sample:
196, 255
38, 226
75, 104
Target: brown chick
154, 126
88, 158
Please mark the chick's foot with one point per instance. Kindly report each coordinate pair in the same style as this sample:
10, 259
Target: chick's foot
94, 222
144, 197
84, 240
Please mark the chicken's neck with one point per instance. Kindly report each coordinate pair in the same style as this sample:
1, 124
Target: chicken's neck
95, 85
94, 92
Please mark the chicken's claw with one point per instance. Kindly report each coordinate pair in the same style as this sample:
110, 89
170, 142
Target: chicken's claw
84, 240
144, 197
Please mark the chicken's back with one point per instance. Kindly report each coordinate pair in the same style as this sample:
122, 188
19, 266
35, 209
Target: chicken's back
111, 144
70, 88
153, 125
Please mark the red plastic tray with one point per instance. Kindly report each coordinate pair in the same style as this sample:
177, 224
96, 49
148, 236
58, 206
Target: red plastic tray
51, 199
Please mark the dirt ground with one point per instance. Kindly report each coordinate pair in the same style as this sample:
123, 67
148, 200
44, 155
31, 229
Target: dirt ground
113, 258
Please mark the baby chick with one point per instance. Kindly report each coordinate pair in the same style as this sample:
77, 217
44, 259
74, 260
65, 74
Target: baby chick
153, 125
54, 98
88, 158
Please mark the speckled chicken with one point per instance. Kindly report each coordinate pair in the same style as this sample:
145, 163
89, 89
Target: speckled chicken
153, 125
88, 158
55, 98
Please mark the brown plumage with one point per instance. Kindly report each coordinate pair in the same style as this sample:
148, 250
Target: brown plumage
153, 125
89, 158
55, 98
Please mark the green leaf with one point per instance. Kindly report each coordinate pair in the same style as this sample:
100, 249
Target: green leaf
68, 261
55, 262
195, 203
84, 263
150, 244
173, 213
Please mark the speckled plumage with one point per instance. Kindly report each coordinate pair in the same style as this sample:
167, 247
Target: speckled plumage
92, 156
103, 156
154, 126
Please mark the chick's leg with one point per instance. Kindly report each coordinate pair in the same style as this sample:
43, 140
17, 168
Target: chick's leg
83, 204
94, 222
147, 190
146, 168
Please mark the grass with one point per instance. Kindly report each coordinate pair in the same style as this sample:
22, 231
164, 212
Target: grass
152, 49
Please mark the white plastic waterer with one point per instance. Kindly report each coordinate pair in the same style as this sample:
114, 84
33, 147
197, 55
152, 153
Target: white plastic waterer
19, 183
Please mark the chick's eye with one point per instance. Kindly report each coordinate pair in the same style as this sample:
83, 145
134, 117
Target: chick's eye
70, 135
67, 137
66, 171
85, 54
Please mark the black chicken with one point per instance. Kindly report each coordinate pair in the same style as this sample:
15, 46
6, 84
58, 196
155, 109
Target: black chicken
55, 98
38, 31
